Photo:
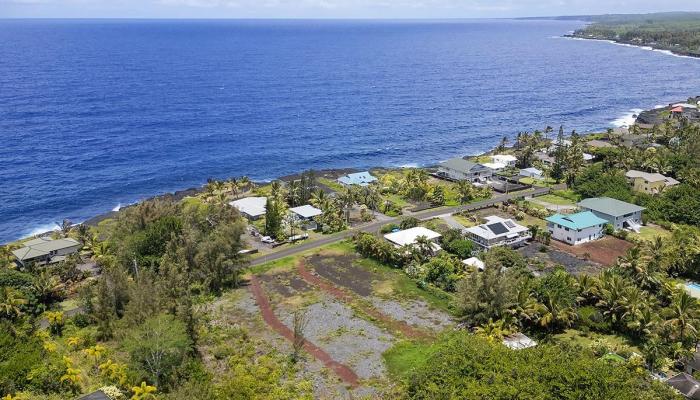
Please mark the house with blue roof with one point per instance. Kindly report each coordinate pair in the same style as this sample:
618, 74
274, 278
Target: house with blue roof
359, 178
576, 228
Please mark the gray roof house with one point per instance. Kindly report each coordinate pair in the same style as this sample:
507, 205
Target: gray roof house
251, 207
459, 169
619, 214
686, 385
46, 250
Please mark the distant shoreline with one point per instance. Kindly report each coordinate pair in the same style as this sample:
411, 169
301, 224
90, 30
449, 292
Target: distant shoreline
643, 46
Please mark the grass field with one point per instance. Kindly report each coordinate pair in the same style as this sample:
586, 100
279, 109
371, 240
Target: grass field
405, 356
556, 200
650, 233
585, 339
537, 182
334, 185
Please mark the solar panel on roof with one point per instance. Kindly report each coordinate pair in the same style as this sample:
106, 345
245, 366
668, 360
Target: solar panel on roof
498, 228
509, 224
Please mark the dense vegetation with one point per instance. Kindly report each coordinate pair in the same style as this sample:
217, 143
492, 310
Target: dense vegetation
679, 32
470, 367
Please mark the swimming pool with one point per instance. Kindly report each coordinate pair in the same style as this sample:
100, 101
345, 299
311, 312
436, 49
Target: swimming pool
693, 285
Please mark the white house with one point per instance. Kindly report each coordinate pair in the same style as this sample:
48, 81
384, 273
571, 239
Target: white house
531, 172
475, 263
518, 341
408, 237
495, 166
576, 228
619, 214
505, 159
306, 215
498, 231
251, 207
46, 250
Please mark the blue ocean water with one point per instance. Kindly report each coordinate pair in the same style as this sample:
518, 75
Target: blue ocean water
97, 113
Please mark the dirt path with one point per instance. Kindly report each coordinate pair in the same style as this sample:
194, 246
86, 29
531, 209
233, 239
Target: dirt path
347, 297
346, 374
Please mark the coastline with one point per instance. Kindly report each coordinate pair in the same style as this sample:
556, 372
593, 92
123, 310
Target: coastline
642, 46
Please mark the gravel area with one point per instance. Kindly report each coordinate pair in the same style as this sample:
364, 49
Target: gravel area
414, 312
348, 339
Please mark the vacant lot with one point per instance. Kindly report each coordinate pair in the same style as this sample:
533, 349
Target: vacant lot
554, 257
604, 251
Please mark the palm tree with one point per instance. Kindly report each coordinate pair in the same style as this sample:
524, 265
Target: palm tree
423, 247
493, 331
466, 191
534, 231
11, 301
234, 187
685, 316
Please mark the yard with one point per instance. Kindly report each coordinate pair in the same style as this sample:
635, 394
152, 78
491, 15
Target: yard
556, 200
547, 182
605, 251
650, 233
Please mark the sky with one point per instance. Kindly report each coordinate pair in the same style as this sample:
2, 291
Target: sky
328, 8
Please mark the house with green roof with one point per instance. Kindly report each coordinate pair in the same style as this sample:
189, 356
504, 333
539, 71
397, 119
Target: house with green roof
576, 228
44, 250
619, 214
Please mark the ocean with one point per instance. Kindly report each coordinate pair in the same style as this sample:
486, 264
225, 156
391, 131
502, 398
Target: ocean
95, 114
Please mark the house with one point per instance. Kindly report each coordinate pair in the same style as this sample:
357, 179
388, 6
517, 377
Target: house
518, 341
677, 112
531, 172
498, 231
686, 385
599, 144
495, 166
505, 159
359, 178
576, 228
306, 214
475, 263
650, 183
545, 158
619, 214
251, 207
459, 169
409, 237
45, 250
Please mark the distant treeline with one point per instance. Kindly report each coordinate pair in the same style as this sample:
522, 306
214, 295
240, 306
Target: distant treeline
677, 32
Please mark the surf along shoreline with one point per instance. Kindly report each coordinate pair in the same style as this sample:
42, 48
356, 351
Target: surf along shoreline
193, 191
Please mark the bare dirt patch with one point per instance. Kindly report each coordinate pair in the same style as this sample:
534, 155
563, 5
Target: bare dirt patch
554, 257
605, 251
413, 312
341, 270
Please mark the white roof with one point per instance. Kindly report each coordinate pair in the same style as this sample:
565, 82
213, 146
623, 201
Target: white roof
651, 177
253, 206
496, 227
306, 211
474, 262
503, 158
409, 236
494, 165
532, 170
518, 341
587, 157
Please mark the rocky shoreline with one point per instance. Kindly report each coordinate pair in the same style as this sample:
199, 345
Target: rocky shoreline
634, 44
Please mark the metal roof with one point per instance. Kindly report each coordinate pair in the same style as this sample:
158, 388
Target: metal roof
253, 206
581, 220
358, 178
409, 236
459, 164
609, 206
42, 247
306, 211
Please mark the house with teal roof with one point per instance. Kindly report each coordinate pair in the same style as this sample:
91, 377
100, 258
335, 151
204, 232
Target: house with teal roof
359, 178
576, 228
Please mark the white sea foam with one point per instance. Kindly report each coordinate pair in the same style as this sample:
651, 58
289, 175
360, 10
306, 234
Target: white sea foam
117, 208
409, 165
647, 48
627, 119
38, 230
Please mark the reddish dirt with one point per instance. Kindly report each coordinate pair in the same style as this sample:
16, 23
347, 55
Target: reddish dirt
604, 251
345, 373
348, 297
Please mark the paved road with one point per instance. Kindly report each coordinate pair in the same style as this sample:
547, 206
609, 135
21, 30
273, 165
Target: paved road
373, 227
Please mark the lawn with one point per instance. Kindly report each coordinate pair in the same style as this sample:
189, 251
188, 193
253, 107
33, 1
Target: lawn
537, 182
334, 185
396, 199
585, 339
467, 222
405, 356
556, 200
650, 233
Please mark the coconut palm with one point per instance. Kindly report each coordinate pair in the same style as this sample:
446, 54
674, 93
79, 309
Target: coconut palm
685, 315
234, 187
423, 248
493, 331
11, 302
